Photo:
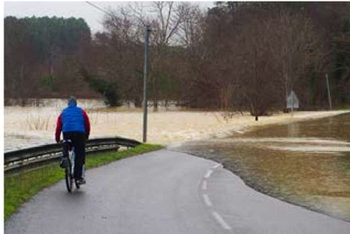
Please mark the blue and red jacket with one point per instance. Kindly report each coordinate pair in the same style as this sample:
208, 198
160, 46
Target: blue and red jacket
72, 119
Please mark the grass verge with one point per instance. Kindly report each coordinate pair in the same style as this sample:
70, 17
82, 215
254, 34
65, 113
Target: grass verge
21, 187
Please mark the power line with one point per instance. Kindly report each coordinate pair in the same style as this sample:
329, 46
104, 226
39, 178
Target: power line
98, 8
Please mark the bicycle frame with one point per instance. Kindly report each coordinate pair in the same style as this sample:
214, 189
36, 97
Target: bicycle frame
71, 157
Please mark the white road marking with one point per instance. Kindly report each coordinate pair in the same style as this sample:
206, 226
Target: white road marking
221, 221
204, 185
207, 200
208, 174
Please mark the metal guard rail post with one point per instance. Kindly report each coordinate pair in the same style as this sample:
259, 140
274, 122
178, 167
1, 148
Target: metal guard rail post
52, 152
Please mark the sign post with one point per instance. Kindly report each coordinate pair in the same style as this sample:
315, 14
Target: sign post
329, 93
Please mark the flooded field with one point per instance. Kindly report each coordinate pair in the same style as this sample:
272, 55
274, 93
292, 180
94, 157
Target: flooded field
35, 125
305, 163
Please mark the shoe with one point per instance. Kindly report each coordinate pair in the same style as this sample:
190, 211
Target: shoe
81, 181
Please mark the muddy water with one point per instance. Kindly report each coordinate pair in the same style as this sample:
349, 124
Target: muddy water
304, 163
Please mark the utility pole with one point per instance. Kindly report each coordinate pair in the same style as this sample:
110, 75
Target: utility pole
329, 93
145, 71
255, 85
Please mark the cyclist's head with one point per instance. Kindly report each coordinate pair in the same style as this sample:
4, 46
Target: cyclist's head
72, 101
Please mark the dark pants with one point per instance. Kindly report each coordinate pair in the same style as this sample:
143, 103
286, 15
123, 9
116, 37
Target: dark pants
78, 142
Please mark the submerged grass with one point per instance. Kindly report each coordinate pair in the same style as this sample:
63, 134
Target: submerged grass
347, 165
304, 174
21, 187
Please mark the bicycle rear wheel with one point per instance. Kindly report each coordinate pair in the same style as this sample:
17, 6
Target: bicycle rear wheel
69, 177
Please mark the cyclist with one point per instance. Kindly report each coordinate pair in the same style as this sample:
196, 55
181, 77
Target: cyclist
74, 123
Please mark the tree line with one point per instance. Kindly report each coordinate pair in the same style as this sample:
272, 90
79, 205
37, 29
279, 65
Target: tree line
39, 56
236, 56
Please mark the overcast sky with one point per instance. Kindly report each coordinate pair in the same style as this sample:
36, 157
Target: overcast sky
78, 9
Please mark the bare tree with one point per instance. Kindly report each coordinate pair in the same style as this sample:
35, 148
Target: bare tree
165, 19
191, 30
118, 54
259, 82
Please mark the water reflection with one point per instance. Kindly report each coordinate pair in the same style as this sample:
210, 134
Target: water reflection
293, 130
305, 163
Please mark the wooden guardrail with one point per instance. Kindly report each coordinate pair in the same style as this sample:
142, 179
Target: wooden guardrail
45, 154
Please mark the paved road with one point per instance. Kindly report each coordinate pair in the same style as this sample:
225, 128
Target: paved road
161, 193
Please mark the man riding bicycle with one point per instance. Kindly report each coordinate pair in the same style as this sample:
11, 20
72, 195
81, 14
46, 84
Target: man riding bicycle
74, 123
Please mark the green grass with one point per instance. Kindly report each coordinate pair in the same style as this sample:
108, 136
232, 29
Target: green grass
343, 107
347, 170
21, 187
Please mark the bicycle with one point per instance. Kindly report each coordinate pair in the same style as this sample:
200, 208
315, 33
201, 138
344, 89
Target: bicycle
68, 164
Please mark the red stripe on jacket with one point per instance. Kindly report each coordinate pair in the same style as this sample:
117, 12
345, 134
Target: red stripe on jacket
86, 124
58, 128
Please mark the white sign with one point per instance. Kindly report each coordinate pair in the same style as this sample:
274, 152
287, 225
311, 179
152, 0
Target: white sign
292, 101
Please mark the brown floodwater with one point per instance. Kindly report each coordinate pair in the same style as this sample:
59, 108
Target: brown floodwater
305, 163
